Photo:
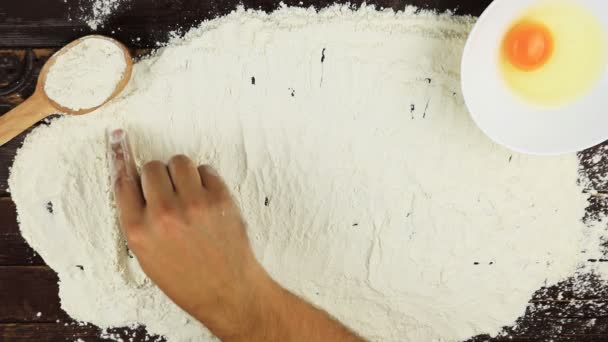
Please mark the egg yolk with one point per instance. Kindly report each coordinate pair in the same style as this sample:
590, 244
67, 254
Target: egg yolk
528, 45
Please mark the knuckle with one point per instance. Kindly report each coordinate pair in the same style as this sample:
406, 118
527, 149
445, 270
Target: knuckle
179, 160
207, 171
194, 207
170, 226
223, 197
130, 223
210, 170
162, 209
166, 217
122, 182
152, 165
134, 235
218, 204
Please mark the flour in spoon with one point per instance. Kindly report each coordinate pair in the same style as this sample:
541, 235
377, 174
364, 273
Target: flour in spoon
86, 75
344, 137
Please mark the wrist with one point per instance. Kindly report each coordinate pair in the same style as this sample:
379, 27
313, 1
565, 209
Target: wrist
254, 313
267, 308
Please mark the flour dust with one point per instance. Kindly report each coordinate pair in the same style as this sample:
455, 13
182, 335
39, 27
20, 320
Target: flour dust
99, 11
343, 134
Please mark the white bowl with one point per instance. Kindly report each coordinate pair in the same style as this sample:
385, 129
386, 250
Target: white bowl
509, 120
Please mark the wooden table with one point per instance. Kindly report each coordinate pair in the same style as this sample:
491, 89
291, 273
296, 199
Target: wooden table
30, 30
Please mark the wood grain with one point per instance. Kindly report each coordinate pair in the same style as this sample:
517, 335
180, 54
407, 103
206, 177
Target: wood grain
14, 251
68, 331
27, 290
7, 154
144, 23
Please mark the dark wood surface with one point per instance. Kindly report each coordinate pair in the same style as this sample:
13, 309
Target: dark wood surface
30, 30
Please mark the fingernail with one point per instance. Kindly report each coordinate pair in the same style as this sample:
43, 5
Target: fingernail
116, 136
212, 170
118, 154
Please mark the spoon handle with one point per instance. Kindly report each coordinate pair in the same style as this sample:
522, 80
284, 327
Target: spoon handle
23, 117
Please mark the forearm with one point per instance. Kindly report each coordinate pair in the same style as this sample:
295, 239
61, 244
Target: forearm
281, 316
298, 320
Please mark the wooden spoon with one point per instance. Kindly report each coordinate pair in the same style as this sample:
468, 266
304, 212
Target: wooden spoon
39, 105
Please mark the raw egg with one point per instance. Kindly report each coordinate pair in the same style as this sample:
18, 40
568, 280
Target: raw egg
528, 45
553, 53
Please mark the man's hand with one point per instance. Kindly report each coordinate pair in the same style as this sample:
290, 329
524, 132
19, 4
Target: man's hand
189, 238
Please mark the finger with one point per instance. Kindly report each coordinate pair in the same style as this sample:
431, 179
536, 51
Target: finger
156, 184
212, 181
185, 177
124, 178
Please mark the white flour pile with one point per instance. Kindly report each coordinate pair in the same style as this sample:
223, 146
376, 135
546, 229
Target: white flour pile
86, 75
367, 188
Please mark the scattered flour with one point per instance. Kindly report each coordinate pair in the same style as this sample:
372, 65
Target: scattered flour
101, 11
86, 75
343, 134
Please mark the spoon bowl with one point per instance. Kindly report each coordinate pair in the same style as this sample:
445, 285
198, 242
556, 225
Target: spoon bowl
40, 105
